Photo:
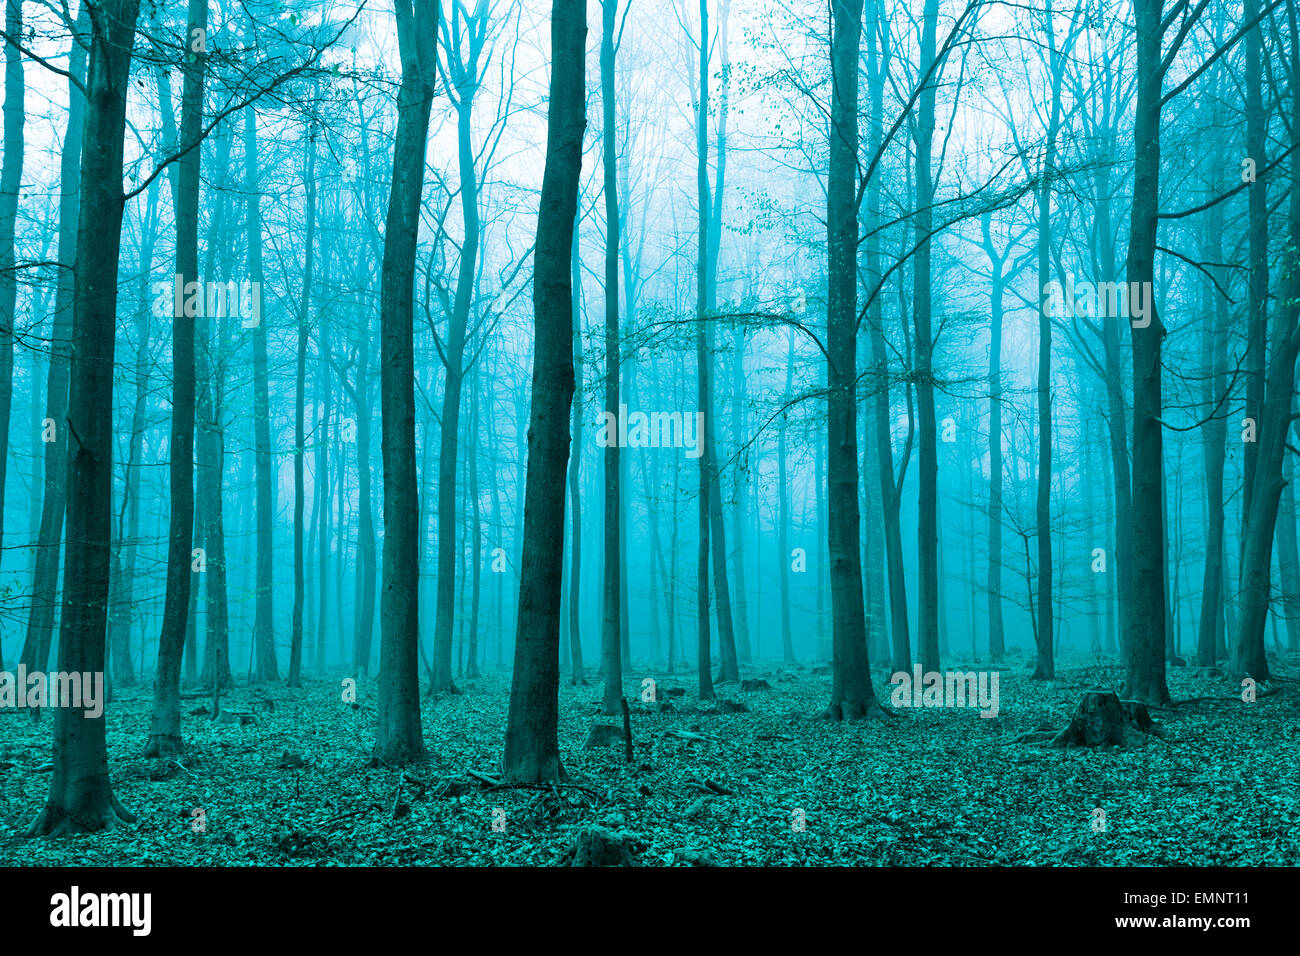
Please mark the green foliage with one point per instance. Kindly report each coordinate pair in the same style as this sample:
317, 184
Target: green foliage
290, 786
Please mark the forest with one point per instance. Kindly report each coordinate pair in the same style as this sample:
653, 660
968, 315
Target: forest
649, 432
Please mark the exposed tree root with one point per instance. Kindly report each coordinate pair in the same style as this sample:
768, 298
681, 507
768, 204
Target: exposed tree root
164, 745
1102, 719
856, 709
59, 821
397, 754
536, 769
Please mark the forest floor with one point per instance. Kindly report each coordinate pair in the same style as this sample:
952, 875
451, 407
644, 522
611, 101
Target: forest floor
289, 784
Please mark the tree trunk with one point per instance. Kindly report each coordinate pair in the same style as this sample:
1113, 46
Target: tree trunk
997, 630
126, 547
11, 181
398, 737
453, 360
532, 752
81, 796
321, 515
576, 667
1257, 254
1045, 667
1249, 658
852, 696
40, 624
210, 444
783, 513
364, 608
611, 633
1146, 640
264, 619
165, 726
476, 559
740, 640
1214, 351
1288, 558
300, 419
928, 492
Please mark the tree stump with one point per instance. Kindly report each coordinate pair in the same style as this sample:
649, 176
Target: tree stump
1102, 719
600, 846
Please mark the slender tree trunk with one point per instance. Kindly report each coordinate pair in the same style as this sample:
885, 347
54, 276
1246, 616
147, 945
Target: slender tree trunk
1249, 658
1214, 345
81, 796
126, 547
11, 181
165, 726
532, 750
737, 599
264, 619
899, 629
783, 516
364, 603
40, 624
852, 696
476, 561
1288, 558
611, 634
453, 360
702, 358
398, 737
300, 419
1045, 667
873, 545
577, 672
210, 442
1257, 238
928, 493
1146, 638
997, 630
1117, 412
323, 512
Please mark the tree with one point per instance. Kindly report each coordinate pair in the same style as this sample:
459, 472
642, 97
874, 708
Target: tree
125, 554
928, 495
299, 435
1276, 416
531, 748
210, 437
710, 501
11, 181
464, 54
611, 634
783, 513
398, 737
40, 622
1214, 433
264, 619
890, 498
165, 724
852, 696
1045, 667
999, 277
81, 796
578, 677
